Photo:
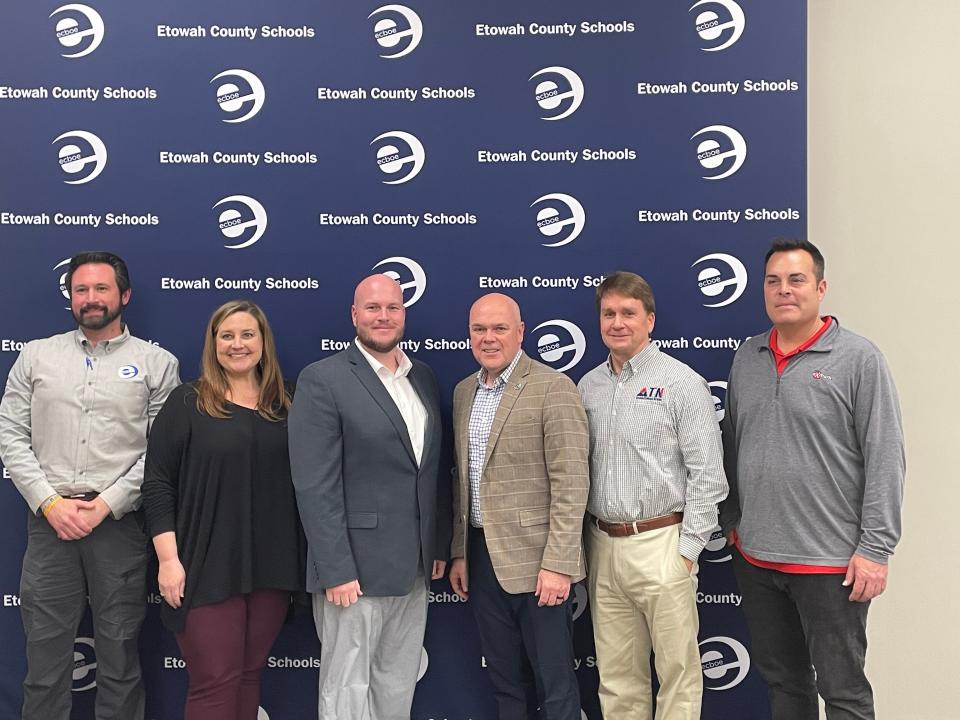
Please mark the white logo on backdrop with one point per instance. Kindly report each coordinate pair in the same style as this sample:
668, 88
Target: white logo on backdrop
712, 155
711, 27
713, 283
390, 36
725, 663
551, 224
551, 96
392, 159
716, 550
234, 224
64, 290
84, 665
71, 34
717, 402
80, 149
555, 349
232, 98
417, 282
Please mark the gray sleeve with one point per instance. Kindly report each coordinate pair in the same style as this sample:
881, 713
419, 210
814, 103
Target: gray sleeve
698, 436
880, 433
16, 445
124, 495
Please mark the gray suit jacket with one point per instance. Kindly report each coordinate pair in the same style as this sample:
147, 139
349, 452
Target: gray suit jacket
368, 511
535, 481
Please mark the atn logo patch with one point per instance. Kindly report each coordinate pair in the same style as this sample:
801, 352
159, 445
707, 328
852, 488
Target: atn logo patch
651, 393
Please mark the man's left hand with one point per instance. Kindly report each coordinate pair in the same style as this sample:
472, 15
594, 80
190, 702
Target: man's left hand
552, 588
867, 577
95, 511
438, 567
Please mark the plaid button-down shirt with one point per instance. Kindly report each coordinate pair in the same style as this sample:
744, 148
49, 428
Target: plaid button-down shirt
485, 404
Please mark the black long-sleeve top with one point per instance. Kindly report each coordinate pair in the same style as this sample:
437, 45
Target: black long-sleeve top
223, 486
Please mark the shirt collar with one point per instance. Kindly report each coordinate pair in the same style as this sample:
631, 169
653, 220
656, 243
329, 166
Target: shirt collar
502, 377
637, 361
84, 343
404, 364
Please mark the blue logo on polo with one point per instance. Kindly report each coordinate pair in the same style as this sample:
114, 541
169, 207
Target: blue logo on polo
128, 372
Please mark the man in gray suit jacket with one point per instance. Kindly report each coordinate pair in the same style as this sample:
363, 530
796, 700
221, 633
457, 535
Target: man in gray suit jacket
365, 435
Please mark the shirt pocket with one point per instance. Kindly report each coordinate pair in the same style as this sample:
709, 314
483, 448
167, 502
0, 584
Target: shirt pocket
123, 401
646, 424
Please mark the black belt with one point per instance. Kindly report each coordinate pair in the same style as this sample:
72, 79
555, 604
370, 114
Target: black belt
86, 497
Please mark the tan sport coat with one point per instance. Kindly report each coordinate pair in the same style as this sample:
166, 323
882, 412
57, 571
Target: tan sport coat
533, 491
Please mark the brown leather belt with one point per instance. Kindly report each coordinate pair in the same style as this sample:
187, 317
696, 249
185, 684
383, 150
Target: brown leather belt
635, 528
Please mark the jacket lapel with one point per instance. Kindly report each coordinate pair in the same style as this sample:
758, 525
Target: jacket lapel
512, 390
368, 378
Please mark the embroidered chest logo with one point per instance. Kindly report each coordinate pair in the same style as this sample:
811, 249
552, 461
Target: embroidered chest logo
128, 372
819, 375
651, 393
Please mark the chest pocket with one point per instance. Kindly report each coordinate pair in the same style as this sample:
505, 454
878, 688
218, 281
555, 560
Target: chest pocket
645, 423
122, 401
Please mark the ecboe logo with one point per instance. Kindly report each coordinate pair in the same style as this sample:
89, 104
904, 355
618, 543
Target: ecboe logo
417, 283
392, 160
725, 662
235, 224
716, 550
579, 600
245, 98
713, 283
560, 93
716, 386
398, 40
712, 28
550, 222
84, 665
64, 290
79, 150
79, 27
556, 352
712, 155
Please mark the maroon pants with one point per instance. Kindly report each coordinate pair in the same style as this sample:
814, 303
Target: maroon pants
225, 647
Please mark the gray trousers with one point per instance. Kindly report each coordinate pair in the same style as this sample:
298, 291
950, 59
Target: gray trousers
109, 565
370, 655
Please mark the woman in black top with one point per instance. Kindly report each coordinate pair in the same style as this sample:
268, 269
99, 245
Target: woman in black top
220, 507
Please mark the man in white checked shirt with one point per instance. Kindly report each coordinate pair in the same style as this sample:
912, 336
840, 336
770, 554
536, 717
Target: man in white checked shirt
656, 476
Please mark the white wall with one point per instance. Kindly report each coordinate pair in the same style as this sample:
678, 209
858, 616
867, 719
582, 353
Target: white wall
884, 200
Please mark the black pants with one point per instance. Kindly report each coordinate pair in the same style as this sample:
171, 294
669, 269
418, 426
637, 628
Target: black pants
109, 565
528, 649
807, 637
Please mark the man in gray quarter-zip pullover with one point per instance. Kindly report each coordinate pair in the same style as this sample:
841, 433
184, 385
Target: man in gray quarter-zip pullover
73, 432
815, 460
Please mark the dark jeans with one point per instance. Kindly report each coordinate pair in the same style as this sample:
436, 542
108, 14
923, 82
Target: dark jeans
110, 566
528, 649
225, 646
807, 637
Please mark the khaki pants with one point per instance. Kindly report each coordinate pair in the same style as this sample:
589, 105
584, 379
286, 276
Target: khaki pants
643, 598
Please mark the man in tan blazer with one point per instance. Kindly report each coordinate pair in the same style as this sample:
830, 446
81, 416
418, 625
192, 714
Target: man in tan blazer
523, 479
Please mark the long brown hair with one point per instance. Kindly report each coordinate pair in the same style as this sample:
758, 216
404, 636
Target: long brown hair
212, 386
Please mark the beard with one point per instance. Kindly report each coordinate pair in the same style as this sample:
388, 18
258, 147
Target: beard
380, 347
107, 316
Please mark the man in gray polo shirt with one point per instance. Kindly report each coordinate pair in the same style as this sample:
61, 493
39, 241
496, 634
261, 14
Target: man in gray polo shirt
656, 476
816, 465
73, 431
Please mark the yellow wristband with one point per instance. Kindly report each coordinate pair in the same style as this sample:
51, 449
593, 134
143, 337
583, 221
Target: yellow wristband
52, 503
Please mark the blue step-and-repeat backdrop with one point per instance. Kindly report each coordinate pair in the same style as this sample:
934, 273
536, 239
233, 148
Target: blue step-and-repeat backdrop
282, 151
